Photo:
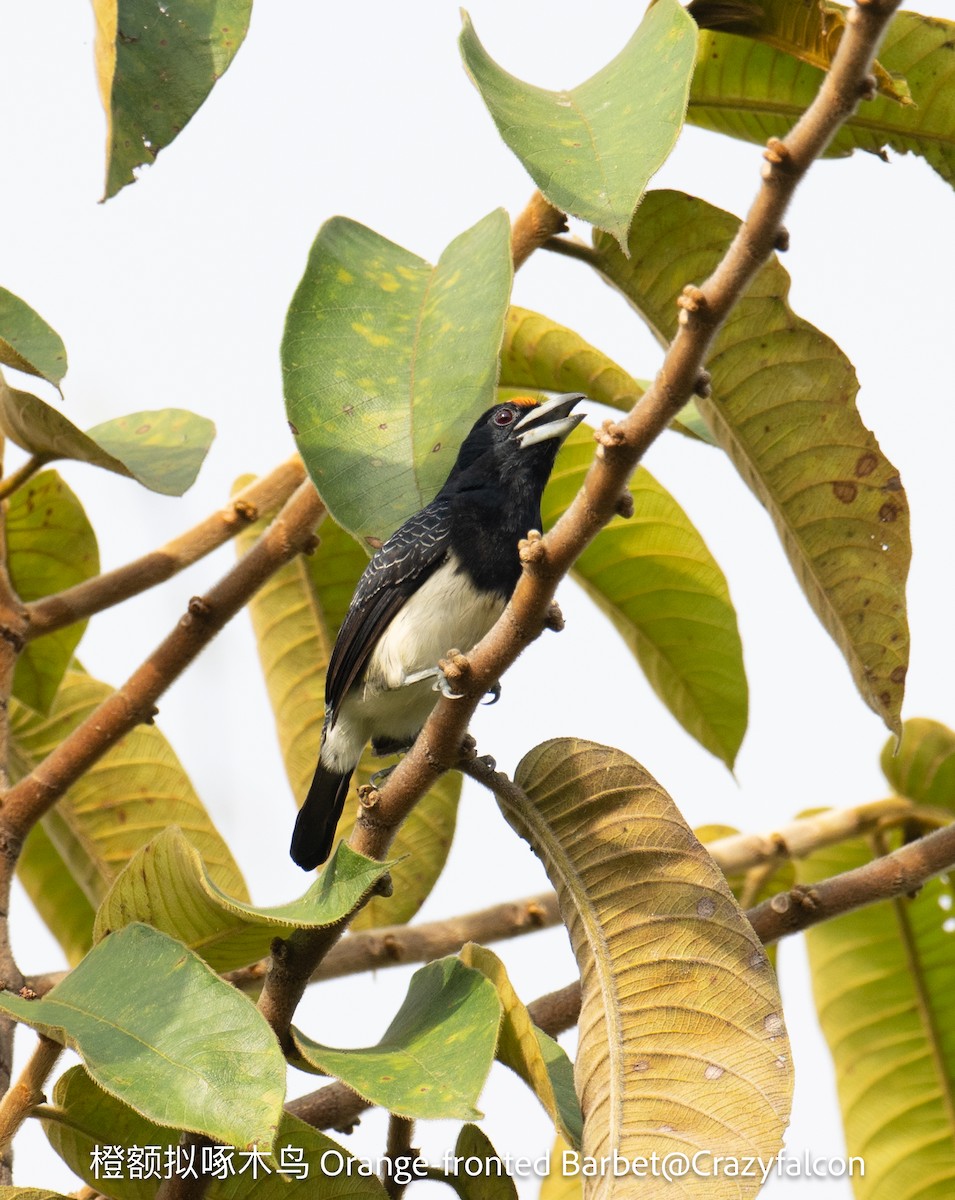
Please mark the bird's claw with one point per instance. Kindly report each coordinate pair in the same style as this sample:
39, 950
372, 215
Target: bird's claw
495, 694
379, 777
443, 685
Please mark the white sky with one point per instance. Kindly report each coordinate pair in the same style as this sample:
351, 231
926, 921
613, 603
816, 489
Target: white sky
175, 293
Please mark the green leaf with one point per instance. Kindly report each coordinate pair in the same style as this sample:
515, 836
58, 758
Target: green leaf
62, 904
388, 361
160, 1031
883, 978
653, 576
810, 32
922, 766
753, 91
527, 1050
296, 615
161, 450
50, 546
131, 794
492, 1182
435, 1055
592, 150
28, 343
157, 61
783, 408
166, 885
680, 1021
85, 1119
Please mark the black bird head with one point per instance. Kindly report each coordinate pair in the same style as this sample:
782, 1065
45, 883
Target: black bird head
518, 438
496, 485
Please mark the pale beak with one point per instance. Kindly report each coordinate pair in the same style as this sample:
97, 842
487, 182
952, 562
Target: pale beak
552, 419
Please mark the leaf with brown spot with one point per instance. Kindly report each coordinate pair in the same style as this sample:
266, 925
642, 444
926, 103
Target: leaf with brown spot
783, 409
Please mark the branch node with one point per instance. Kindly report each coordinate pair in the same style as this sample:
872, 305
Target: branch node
609, 435
781, 241
554, 618
624, 506
531, 551
199, 607
704, 385
245, 511
384, 886
311, 544
368, 796
868, 88
777, 153
781, 904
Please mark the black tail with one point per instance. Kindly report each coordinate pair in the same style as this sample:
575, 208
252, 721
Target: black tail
314, 833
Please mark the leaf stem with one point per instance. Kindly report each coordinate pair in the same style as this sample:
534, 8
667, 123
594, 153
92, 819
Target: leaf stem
21, 1099
10, 483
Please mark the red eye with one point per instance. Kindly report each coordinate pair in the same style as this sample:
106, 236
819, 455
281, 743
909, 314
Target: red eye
504, 417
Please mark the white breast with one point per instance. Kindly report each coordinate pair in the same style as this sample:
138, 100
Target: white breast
446, 612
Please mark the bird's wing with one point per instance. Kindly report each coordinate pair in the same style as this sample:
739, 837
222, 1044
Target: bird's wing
396, 571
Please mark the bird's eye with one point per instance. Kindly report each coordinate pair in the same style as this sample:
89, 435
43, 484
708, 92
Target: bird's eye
504, 417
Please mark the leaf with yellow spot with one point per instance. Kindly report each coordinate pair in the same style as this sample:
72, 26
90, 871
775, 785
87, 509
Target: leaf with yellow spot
435, 1055
592, 149
162, 450
387, 361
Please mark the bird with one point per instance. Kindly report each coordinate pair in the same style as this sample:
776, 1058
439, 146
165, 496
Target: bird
440, 581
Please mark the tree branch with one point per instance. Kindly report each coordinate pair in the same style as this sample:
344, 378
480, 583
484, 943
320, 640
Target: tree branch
290, 533
539, 222
262, 496
621, 445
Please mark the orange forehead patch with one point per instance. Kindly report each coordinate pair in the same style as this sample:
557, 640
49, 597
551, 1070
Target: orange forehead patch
525, 401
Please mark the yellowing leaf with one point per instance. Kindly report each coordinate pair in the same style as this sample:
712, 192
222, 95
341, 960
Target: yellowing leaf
682, 1041
883, 979
132, 793
664, 592
783, 408
50, 546
752, 90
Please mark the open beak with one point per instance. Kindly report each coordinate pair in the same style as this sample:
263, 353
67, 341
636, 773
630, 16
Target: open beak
552, 419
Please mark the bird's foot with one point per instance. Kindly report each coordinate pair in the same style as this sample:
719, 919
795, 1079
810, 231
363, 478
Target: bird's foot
379, 777
446, 673
495, 694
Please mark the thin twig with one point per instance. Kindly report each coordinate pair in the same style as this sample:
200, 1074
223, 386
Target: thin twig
16, 479
263, 496
27, 1092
